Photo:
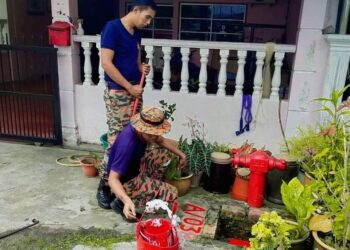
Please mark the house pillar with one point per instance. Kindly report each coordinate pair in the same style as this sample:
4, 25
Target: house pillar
310, 64
338, 62
68, 72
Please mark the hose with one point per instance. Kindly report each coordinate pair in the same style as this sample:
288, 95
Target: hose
72, 160
34, 222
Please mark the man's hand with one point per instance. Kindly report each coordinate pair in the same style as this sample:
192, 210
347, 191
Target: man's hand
145, 69
129, 210
183, 161
135, 90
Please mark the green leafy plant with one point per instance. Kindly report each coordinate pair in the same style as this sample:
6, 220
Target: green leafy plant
224, 147
172, 171
198, 154
299, 202
198, 150
168, 109
326, 158
270, 232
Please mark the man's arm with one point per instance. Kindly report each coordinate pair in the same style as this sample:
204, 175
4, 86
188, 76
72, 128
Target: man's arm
107, 56
171, 145
118, 189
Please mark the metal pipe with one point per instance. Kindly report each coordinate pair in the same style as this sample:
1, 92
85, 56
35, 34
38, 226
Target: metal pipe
344, 17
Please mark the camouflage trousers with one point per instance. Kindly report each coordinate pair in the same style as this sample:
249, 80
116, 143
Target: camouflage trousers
148, 185
119, 105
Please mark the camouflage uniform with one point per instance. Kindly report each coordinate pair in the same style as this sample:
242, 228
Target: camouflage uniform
119, 105
148, 185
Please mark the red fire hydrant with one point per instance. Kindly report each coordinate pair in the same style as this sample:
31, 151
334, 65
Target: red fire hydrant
259, 164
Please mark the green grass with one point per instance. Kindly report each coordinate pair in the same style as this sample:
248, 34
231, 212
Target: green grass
53, 240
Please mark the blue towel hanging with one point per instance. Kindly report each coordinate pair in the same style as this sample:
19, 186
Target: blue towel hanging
246, 114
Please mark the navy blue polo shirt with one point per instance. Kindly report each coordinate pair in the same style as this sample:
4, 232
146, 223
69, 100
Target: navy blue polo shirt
125, 46
126, 154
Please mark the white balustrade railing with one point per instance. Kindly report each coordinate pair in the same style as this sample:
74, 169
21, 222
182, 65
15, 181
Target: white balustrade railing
167, 47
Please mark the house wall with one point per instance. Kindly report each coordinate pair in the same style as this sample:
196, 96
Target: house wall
256, 14
220, 115
85, 113
310, 66
28, 27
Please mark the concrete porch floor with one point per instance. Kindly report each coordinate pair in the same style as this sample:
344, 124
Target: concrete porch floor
34, 186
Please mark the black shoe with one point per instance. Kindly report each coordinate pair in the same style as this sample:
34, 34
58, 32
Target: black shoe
104, 196
118, 206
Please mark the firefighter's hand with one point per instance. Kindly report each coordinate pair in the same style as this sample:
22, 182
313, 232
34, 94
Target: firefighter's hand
129, 210
146, 69
135, 90
183, 161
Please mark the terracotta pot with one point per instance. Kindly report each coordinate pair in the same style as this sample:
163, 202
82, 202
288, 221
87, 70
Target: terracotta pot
319, 244
241, 184
88, 165
182, 185
196, 179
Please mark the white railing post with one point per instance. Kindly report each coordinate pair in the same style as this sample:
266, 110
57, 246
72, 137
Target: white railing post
101, 72
203, 75
260, 55
149, 77
242, 54
184, 70
223, 72
87, 63
166, 69
276, 79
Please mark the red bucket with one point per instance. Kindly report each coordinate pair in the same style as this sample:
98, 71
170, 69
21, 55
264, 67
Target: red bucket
151, 237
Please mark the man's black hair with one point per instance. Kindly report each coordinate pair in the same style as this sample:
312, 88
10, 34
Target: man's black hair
144, 3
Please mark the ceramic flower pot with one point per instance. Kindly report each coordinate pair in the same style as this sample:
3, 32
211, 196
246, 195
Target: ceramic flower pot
182, 185
274, 180
196, 179
240, 186
319, 244
88, 166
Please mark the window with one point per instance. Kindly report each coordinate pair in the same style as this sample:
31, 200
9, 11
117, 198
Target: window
212, 22
162, 25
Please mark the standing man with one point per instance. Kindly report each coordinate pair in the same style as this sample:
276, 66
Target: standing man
121, 61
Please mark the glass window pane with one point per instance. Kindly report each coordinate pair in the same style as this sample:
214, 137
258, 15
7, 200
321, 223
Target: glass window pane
163, 24
195, 25
228, 12
194, 36
196, 11
164, 11
227, 26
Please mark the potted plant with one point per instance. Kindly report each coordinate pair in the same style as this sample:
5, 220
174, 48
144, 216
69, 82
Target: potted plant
328, 164
269, 233
89, 165
273, 232
298, 201
181, 179
197, 151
